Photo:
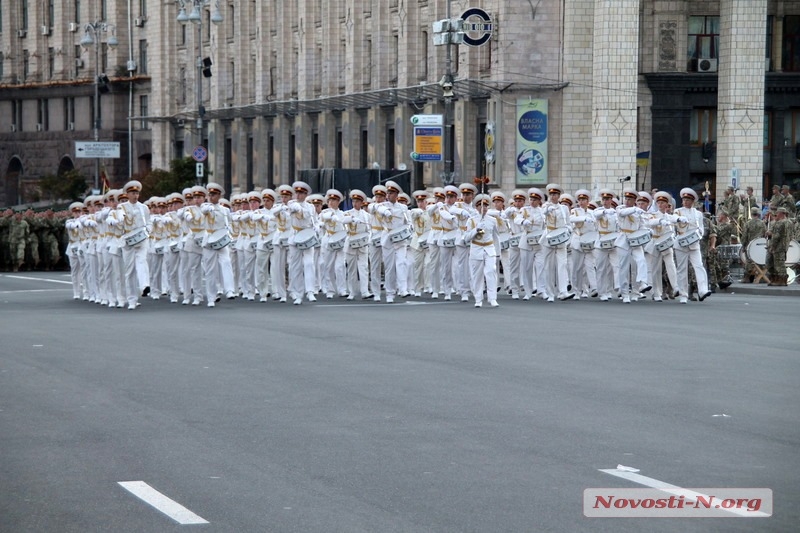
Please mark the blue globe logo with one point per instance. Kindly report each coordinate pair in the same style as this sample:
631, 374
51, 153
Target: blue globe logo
530, 162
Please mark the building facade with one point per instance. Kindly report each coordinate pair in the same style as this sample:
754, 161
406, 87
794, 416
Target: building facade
702, 90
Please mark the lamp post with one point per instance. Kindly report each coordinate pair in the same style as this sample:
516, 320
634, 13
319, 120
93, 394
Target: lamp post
196, 18
92, 35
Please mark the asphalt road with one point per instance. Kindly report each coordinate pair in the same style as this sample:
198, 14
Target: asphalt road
360, 417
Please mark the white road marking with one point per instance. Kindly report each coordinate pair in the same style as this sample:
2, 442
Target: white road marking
34, 290
674, 489
171, 508
38, 279
383, 304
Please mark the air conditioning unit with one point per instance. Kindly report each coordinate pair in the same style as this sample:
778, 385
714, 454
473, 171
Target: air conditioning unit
706, 65
74, 26
78, 62
13, 128
139, 22
39, 127
22, 33
45, 30
71, 126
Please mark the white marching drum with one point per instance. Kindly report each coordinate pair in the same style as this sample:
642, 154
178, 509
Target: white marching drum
219, 239
606, 242
587, 241
533, 239
359, 240
639, 237
400, 234
514, 241
336, 241
174, 247
793, 254
449, 239
688, 239
135, 237
306, 238
159, 249
266, 244
558, 236
505, 241
728, 252
665, 243
757, 251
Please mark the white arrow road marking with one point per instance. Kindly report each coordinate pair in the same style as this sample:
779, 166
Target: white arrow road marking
171, 508
674, 489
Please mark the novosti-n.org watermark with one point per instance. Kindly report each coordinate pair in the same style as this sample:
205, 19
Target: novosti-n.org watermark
677, 503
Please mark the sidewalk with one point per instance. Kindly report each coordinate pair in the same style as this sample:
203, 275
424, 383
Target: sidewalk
762, 289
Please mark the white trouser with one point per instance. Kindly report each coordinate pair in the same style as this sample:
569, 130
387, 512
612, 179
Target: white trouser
583, 275
277, 270
556, 274
192, 266
683, 258
511, 275
434, 267
75, 272
375, 262
334, 270
625, 255
216, 265
604, 260
395, 265
483, 268
357, 261
302, 272
416, 269
446, 256
657, 262
263, 267
248, 280
137, 276
461, 270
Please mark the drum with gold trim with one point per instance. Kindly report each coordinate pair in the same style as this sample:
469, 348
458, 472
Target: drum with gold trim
306, 238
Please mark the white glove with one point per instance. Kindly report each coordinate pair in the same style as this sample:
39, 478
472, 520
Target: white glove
206, 208
111, 221
526, 223
639, 211
384, 211
188, 216
457, 211
256, 216
295, 208
245, 215
439, 205
347, 219
683, 220
663, 222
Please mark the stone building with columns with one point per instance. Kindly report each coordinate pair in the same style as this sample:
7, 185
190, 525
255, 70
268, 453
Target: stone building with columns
708, 89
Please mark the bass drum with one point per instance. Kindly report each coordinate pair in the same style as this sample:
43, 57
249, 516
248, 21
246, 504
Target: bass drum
793, 254
757, 251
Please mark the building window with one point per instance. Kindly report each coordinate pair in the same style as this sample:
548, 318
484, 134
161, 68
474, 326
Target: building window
792, 136
143, 56
231, 22
51, 14
103, 57
767, 131
182, 86
770, 41
144, 110
43, 118
77, 14
26, 65
423, 57
69, 113
791, 43
16, 114
2, 61
24, 14
368, 63
143, 8
703, 39
103, 9
703, 126
394, 59
51, 62
232, 82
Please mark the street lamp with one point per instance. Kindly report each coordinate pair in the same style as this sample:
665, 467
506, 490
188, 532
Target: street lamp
92, 35
196, 18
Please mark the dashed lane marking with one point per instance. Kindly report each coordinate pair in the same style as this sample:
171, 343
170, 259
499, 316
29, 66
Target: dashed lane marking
169, 507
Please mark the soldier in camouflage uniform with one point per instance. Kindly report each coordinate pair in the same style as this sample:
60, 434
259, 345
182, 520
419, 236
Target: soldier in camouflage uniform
48, 240
5, 228
753, 229
788, 202
17, 239
719, 268
32, 244
778, 238
731, 204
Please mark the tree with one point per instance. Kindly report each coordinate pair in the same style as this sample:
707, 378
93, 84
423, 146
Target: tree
159, 182
71, 185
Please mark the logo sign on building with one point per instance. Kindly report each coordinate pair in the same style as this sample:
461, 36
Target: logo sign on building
427, 120
488, 142
96, 150
532, 154
477, 26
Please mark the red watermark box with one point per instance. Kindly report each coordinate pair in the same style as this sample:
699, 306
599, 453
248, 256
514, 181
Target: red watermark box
677, 503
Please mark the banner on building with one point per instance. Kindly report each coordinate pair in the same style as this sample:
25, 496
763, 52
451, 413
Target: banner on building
532, 155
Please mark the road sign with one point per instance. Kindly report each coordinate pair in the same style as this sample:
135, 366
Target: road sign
96, 150
477, 26
198, 170
428, 143
200, 153
427, 120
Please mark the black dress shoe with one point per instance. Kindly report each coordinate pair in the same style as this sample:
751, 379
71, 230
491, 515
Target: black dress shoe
706, 295
146, 291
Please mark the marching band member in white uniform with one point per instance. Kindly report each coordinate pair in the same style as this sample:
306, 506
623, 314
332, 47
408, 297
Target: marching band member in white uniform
482, 237
216, 255
265, 234
394, 243
332, 253
690, 229
503, 236
375, 252
357, 222
463, 210
659, 252
531, 219
584, 277
518, 232
434, 237
630, 221
302, 267
418, 249
175, 229
606, 219
554, 256
193, 288
448, 239
135, 221
280, 250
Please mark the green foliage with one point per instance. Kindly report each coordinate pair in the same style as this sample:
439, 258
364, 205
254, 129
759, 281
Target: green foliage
159, 182
71, 185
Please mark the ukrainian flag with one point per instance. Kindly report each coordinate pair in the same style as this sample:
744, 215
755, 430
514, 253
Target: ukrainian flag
643, 159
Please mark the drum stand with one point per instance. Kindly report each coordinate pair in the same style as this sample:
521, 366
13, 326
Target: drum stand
760, 273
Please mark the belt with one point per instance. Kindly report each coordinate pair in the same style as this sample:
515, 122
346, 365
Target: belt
299, 229
627, 230
377, 228
483, 243
604, 232
436, 228
551, 228
196, 230
330, 232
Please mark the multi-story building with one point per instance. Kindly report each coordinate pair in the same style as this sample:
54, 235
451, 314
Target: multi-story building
564, 90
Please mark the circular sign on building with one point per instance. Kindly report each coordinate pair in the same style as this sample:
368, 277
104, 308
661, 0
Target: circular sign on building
477, 26
200, 154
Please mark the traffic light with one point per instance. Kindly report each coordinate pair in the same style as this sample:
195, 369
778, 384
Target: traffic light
102, 84
207, 67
